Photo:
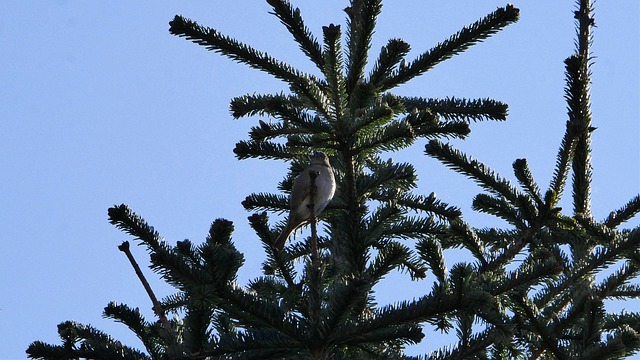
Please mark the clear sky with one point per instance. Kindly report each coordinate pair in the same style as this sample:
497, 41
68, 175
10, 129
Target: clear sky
100, 105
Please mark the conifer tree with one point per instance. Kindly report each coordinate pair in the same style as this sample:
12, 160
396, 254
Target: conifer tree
315, 299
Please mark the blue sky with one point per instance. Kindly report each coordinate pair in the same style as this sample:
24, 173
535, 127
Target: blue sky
100, 105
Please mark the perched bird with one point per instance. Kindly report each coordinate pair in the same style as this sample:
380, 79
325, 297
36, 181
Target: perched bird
299, 212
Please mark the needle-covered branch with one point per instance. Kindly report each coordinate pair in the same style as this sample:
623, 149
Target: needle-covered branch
457, 43
292, 19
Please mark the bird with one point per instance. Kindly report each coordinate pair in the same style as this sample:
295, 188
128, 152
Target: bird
299, 211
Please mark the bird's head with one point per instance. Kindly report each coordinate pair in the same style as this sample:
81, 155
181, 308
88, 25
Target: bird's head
318, 157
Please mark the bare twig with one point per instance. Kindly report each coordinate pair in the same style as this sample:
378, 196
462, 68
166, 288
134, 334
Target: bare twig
157, 308
314, 232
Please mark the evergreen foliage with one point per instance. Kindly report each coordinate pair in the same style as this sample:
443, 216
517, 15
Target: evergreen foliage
529, 291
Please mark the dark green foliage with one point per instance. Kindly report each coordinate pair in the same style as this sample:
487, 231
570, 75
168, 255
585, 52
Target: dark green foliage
94, 344
460, 109
527, 291
461, 41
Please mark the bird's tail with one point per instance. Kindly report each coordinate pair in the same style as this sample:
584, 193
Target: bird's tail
292, 225
284, 236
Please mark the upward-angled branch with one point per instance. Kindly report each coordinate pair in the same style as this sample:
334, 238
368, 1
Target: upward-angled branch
563, 161
476, 170
456, 44
235, 50
580, 110
625, 213
525, 177
292, 19
361, 20
390, 55
333, 72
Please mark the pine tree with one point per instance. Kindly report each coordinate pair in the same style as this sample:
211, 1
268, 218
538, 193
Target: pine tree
316, 299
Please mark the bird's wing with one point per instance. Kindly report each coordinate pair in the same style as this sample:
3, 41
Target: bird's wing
300, 189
